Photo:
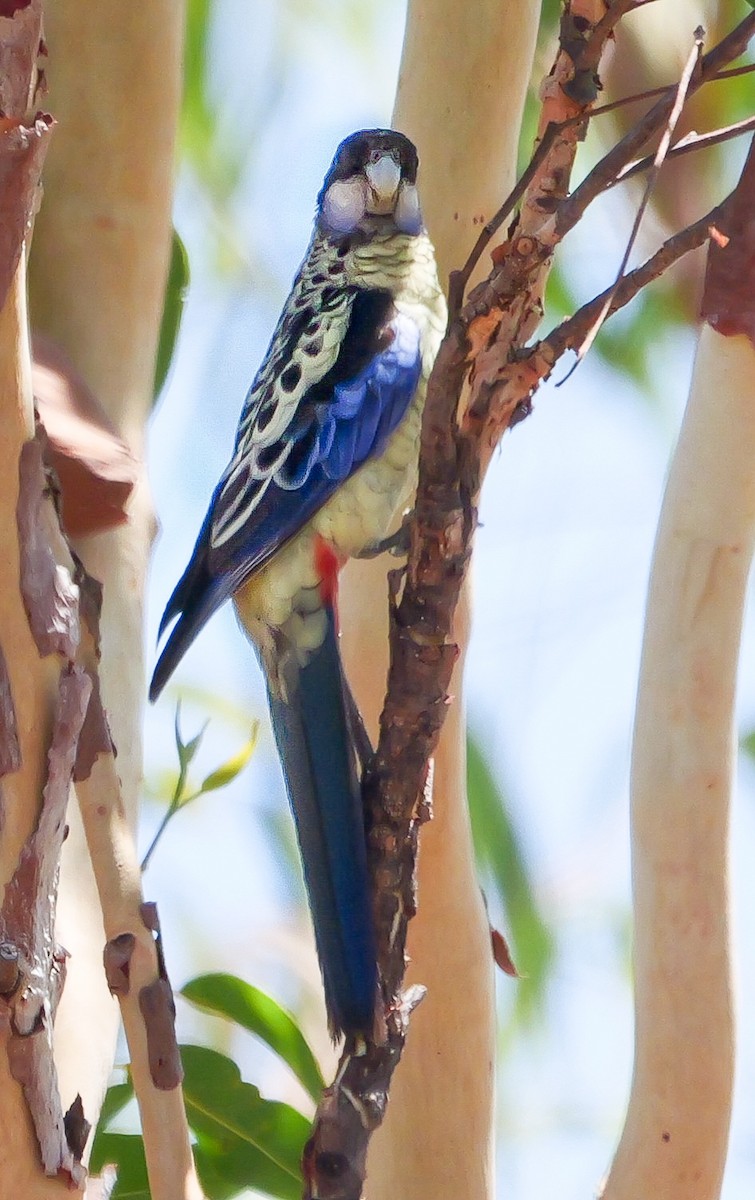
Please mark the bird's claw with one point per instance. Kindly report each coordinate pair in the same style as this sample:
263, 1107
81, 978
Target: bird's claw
397, 543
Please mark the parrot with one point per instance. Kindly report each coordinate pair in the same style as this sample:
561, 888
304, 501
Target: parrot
324, 464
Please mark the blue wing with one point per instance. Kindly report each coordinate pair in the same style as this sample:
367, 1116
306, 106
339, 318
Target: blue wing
275, 484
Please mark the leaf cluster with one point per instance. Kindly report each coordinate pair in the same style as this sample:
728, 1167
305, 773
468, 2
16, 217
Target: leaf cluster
241, 1140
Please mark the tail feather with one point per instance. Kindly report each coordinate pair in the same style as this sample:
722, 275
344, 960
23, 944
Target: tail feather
188, 625
197, 595
317, 752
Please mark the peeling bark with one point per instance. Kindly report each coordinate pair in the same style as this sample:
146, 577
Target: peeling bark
98, 270
22, 152
27, 919
728, 303
77, 1128
95, 468
20, 47
95, 736
158, 1008
117, 961
50, 597
10, 750
27, 923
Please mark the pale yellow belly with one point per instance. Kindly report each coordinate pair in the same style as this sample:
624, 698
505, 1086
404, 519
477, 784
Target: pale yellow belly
284, 594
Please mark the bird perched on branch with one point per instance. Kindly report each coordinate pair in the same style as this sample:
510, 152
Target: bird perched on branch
324, 460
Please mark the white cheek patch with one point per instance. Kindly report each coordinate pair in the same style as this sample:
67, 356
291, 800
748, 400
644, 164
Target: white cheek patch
407, 213
343, 205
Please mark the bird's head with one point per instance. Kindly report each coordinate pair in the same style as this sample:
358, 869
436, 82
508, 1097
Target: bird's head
371, 183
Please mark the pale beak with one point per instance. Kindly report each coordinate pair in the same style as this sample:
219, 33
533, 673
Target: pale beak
383, 176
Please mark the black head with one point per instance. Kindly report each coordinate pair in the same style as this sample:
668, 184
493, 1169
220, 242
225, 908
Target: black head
371, 182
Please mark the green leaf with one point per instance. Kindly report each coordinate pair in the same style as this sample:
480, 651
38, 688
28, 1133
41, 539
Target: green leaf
116, 1098
242, 1139
176, 290
186, 752
228, 771
126, 1152
217, 160
748, 741
196, 115
559, 299
502, 862
232, 998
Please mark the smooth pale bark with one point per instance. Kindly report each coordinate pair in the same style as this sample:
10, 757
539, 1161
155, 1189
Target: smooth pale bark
460, 97
98, 270
675, 1138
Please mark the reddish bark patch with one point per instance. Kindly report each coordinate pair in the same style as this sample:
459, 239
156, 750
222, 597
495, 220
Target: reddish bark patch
20, 47
94, 466
28, 925
31, 1065
22, 152
23, 136
728, 303
27, 915
502, 954
50, 597
159, 1012
10, 750
95, 735
158, 1009
77, 1128
90, 605
10, 973
116, 959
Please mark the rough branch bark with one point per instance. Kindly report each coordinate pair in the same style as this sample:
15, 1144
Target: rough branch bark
42, 701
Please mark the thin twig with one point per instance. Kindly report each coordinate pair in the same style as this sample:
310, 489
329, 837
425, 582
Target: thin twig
658, 160
688, 144
569, 332
604, 174
459, 279
604, 29
662, 89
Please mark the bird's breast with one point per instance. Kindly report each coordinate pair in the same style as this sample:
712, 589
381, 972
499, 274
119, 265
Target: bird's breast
284, 593
282, 600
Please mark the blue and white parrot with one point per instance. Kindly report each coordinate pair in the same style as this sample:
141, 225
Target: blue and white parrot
324, 461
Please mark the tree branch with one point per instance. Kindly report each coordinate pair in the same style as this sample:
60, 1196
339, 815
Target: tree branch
608, 170
690, 143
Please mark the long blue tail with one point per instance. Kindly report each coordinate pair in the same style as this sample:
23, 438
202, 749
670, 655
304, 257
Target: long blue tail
317, 753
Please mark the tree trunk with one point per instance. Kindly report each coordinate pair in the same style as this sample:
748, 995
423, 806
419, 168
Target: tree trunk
460, 98
98, 271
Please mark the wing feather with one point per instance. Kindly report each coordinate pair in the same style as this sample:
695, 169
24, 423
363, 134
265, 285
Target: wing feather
319, 409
